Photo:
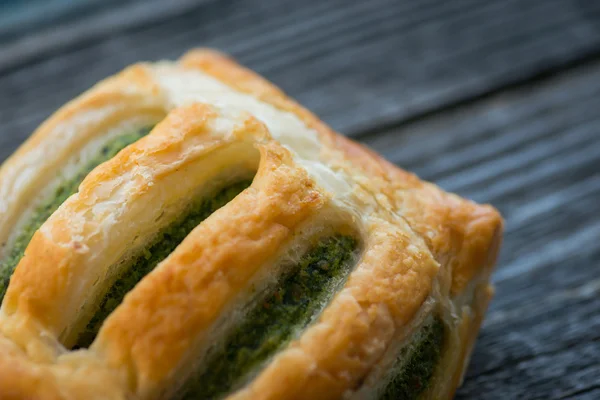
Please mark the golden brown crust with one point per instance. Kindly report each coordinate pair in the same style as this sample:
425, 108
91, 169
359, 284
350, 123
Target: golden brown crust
463, 236
43, 286
74, 375
155, 327
383, 294
468, 334
127, 98
459, 232
236, 76
422, 246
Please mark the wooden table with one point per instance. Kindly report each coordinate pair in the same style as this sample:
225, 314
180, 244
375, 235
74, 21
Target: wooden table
497, 100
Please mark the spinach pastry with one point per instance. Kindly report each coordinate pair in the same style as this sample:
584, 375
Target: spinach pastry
185, 230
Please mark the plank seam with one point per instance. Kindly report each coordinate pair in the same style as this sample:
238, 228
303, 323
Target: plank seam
530, 80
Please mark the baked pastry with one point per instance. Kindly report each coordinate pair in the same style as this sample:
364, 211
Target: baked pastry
184, 230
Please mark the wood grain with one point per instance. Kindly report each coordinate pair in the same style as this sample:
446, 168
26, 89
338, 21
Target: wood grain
534, 153
357, 64
497, 101
22, 18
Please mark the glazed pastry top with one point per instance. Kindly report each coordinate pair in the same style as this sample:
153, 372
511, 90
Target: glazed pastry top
417, 251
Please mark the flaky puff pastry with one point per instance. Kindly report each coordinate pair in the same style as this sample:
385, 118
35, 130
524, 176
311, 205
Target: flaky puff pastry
422, 251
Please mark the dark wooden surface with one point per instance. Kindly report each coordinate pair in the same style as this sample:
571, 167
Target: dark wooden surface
496, 100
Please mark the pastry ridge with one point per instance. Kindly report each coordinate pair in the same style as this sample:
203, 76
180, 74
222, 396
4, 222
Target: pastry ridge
423, 251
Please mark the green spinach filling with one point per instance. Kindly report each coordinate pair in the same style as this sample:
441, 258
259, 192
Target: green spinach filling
62, 191
163, 244
289, 306
414, 367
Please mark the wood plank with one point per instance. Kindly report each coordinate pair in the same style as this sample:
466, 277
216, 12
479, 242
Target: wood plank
357, 64
534, 153
517, 140
544, 345
28, 18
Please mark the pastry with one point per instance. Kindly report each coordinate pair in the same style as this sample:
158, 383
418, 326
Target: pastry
185, 230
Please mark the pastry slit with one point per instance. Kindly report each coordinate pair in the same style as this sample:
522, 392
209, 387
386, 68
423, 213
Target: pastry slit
414, 367
334, 275
278, 314
150, 256
60, 192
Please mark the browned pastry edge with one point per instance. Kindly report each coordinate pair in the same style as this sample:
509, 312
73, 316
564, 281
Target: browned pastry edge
462, 236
